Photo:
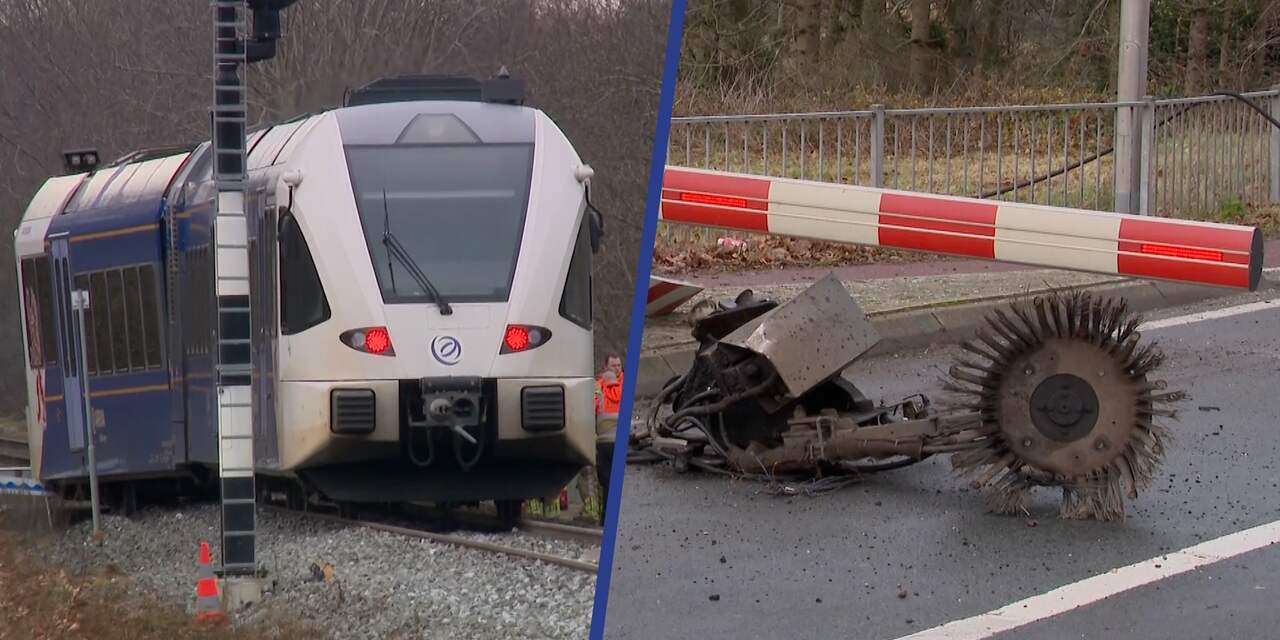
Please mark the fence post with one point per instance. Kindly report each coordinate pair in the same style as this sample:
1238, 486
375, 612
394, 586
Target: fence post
877, 146
1146, 173
1274, 164
1128, 151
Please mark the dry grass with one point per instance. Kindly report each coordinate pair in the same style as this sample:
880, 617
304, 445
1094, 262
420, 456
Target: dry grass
40, 602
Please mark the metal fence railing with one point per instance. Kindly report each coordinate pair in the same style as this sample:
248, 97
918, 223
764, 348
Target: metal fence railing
1194, 156
1209, 153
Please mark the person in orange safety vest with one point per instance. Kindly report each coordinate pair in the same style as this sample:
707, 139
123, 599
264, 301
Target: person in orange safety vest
608, 400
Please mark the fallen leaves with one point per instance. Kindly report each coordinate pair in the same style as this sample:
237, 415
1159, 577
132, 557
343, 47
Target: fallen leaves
735, 252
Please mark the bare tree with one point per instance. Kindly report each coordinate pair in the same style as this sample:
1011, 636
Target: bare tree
1198, 45
128, 74
809, 30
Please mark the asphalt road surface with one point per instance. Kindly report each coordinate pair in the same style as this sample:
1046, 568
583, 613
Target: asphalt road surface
701, 556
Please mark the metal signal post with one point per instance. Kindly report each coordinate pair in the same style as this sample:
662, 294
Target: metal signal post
79, 306
234, 48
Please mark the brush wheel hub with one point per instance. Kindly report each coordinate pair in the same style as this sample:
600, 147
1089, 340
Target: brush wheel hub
1064, 407
1068, 407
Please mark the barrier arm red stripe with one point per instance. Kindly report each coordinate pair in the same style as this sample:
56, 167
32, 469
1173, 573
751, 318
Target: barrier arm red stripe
1229, 256
970, 231
715, 200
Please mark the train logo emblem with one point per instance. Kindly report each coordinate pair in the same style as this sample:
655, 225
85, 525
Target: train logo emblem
447, 350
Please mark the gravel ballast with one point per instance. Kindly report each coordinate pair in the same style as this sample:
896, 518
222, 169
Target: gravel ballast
383, 585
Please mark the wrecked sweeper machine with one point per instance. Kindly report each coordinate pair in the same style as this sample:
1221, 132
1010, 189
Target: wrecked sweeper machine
1055, 391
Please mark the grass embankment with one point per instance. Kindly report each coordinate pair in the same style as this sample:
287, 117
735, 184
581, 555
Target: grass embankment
39, 602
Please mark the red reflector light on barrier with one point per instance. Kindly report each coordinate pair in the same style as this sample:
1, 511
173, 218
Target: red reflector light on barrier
522, 337
719, 201
1180, 252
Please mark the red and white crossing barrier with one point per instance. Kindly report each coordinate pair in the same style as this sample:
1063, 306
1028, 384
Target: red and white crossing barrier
1078, 239
666, 294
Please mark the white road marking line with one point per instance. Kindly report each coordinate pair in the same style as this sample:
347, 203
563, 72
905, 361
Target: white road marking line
1215, 314
1078, 594
1271, 269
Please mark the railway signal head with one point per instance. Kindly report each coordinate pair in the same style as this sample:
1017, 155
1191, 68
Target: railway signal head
80, 160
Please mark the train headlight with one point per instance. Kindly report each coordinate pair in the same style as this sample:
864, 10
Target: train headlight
375, 340
523, 337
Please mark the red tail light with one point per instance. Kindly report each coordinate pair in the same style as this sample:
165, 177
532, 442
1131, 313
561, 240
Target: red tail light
522, 337
375, 340
517, 338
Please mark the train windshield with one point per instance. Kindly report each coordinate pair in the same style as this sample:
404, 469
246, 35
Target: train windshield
457, 210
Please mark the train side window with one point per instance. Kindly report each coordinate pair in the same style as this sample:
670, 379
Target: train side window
575, 302
150, 315
90, 345
302, 301
30, 314
119, 324
64, 329
133, 319
44, 298
98, 300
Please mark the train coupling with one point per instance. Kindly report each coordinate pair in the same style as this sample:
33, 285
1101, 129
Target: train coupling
455, 405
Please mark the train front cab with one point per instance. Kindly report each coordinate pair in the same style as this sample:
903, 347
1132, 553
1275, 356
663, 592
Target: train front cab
363, 352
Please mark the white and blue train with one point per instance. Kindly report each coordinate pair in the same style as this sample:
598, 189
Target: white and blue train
421, 265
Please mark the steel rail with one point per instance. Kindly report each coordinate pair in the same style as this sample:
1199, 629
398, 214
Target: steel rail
559, 531
446, 538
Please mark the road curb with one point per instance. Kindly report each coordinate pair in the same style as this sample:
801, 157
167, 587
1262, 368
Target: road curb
947, 323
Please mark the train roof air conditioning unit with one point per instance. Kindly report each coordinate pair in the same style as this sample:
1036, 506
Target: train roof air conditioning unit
501, 88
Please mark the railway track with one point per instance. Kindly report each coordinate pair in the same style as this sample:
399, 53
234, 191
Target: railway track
550, 530
13, 451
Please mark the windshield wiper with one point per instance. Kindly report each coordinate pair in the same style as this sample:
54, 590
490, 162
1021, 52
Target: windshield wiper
394, 248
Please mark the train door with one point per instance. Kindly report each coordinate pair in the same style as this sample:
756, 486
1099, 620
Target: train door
262, 269
67, 328
173, 292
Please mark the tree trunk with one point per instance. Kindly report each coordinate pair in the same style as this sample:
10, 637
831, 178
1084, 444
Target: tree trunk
920, 44
961, 21
1197, 49
1224, 60
991, 47
842, 17
809, 30
874, 40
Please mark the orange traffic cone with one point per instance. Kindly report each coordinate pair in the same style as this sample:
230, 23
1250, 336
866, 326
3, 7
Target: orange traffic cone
564, 498
208, 600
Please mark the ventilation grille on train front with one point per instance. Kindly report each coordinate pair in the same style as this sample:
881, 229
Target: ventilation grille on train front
352, 411
542, 408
